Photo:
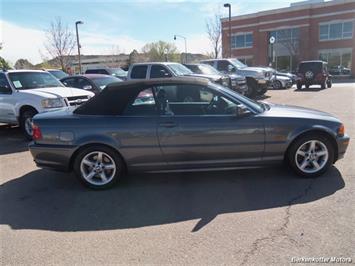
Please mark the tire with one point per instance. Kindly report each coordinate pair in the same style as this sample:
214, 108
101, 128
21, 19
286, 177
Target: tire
252, 88
25, 122
277, 85
307, 86
310, 164
299, 86
329, 83
95, 173
323, 86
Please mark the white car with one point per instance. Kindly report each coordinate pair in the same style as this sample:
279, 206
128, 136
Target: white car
24, 93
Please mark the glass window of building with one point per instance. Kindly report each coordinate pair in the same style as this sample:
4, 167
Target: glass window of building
339, 60
336, 31
243, 40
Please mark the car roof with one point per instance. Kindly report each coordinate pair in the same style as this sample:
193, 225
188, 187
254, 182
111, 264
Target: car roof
23, 70
314, 61
158, 81
89, 76
156, 63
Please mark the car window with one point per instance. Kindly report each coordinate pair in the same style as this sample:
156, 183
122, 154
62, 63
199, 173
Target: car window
70, 82
33, 80
158, 71
83, 84
139, 72
142, 105
189, 99
211, 63
222, 65
194, 68
97, 71
4, 85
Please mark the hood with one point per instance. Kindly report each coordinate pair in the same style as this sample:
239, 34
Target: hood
256, 69
284, 78
211, 77
236, 76
58, 92
55, 113
280, 110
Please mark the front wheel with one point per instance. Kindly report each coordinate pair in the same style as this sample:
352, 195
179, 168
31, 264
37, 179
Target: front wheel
311, 155
329, 83
277, 85
26, 123
98, 167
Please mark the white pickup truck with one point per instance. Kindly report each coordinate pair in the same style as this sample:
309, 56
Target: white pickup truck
24, 93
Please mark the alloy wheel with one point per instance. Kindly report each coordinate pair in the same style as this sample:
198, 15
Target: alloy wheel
28, 126
98, 168
311, 156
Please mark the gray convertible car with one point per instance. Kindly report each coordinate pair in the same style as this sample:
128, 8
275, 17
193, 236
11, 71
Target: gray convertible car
182, 124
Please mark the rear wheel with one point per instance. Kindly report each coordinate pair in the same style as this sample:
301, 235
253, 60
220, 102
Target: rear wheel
277, 85
98, 167
323, 84
329, 83
26, 122
307, 86
252, 88
311, 155
299, 86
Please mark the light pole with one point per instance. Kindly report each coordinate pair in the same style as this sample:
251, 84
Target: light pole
230, 28
180, 36
77, 41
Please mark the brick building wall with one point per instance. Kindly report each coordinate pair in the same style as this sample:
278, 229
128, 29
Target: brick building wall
306, 21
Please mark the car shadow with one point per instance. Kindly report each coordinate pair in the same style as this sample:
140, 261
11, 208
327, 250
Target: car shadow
54, 201
310, 89
262, 97
12, 140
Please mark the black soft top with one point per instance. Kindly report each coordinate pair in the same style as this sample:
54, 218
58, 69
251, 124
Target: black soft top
115, 97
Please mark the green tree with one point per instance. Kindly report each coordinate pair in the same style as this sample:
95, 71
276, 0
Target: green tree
161, 51
3, 63
23, 64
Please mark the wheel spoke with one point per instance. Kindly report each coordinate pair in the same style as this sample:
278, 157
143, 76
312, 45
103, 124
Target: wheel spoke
109, 166
88, 163
90, 175
301, 153
321, 153
312, 146
304, 164
103, 176
99, 157
315, 164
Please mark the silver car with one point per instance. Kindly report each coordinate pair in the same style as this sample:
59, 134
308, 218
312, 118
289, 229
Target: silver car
182, 124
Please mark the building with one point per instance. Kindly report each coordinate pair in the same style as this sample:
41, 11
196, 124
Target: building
304, 31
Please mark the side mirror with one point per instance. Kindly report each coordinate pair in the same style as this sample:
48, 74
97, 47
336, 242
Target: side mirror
231, 68
242, 111
5, 89
87, 87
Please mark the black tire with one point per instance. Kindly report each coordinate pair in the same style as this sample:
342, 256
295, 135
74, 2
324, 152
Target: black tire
323, 86
299, 142
299, 86
307, 86
262, 91
252, 88
329, 83
24, 119
112, 154
277, 85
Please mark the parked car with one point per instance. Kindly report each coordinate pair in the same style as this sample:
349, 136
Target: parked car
59, 74
24, 93
258, 78
188, 124
313, 73
235, 82
340, 70
91, 82
117, 72
281, 82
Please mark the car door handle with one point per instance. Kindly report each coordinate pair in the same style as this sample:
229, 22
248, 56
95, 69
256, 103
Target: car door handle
168, 124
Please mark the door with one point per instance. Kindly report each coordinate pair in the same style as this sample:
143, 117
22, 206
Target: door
198, 128
7, 102
137, 133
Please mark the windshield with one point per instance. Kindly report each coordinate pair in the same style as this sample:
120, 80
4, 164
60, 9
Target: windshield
208, 70
118, 72
237, 63
58, 73
180, 70
103, 82
33, 80
259, 107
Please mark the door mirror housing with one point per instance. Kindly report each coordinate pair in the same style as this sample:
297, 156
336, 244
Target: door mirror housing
87, 87
242, 111
231, 68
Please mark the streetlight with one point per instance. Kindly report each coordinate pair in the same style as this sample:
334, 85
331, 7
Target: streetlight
77, 40
180, 36
230, 28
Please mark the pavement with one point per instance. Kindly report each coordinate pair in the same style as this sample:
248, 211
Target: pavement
249, 217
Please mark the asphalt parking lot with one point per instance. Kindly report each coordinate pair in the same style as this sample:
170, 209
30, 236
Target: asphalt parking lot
248, 217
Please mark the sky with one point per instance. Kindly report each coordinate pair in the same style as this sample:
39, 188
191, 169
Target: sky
114, 26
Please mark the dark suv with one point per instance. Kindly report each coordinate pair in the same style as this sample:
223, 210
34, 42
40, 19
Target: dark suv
313, 73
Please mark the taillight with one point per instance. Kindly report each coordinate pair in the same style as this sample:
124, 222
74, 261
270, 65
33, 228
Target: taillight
36, 132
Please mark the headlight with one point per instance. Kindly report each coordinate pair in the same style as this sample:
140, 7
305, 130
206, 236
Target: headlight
234, 82
260, 75
52, 103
